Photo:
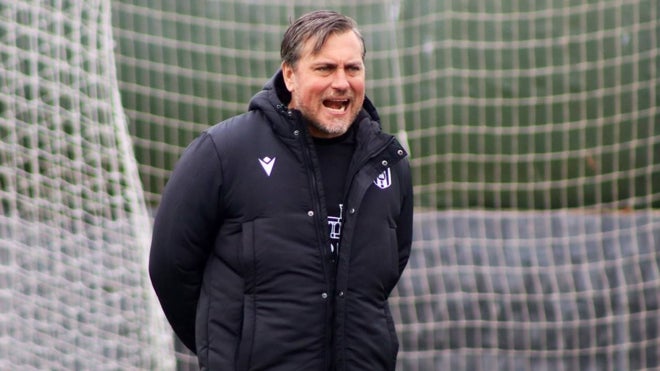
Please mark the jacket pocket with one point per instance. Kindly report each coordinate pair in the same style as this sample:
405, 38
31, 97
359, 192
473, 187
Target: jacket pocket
393, 266
247, 262
247, 334
246, 257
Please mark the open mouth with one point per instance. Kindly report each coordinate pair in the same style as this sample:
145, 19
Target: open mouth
339, 105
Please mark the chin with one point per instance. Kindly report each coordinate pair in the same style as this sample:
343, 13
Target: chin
337, 128
331, 130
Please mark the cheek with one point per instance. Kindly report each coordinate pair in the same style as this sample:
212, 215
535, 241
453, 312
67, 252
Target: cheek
311, 92
358, 86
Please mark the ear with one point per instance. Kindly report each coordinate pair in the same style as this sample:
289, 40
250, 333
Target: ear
289, 76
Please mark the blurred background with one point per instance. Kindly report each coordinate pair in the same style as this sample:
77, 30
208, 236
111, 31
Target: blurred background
534, 139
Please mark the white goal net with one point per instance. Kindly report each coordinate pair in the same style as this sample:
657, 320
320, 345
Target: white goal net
74, 229
534, 134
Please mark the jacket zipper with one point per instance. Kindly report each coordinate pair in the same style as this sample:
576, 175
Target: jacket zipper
322, 240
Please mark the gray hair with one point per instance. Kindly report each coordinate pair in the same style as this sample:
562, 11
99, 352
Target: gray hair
317, 25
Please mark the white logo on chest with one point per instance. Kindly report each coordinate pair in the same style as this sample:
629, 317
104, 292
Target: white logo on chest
384, 180
267, 163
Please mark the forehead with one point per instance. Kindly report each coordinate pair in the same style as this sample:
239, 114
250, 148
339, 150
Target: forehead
346, 43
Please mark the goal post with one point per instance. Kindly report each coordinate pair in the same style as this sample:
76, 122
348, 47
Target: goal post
74, 227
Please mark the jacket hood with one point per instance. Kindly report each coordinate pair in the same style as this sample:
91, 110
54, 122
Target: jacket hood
275, 97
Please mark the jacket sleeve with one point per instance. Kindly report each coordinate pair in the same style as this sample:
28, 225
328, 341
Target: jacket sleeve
184, 230
405, 221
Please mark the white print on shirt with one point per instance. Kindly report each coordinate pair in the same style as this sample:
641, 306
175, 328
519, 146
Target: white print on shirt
335, 230
384, 180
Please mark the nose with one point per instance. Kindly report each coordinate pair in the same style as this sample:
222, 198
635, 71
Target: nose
340, 80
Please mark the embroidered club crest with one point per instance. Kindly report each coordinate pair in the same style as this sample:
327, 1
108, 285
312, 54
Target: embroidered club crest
384, 180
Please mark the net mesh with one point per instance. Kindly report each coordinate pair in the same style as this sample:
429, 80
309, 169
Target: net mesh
507, 104
534, 137
74, 228
541, 291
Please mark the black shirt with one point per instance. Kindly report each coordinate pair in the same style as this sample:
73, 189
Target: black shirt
334, 156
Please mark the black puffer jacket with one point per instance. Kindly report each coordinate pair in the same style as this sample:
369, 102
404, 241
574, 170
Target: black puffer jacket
240, 258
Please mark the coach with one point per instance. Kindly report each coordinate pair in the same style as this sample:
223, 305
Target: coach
282, 231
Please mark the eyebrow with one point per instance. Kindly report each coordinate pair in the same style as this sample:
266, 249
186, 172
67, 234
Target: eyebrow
335, 64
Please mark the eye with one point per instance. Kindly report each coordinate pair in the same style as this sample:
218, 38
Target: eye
354, 69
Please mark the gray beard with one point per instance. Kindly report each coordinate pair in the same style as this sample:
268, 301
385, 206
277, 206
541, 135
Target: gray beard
336, 130
332, 131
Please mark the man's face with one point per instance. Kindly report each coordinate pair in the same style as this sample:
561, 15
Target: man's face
328, 87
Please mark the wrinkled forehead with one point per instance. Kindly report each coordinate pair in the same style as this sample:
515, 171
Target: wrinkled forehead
314, 44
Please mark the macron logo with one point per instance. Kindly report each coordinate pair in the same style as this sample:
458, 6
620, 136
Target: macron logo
267, 163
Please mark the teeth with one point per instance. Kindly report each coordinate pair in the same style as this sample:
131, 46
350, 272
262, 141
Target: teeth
342, 108
337, 105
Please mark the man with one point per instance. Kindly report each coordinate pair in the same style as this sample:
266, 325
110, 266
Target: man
282, 231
